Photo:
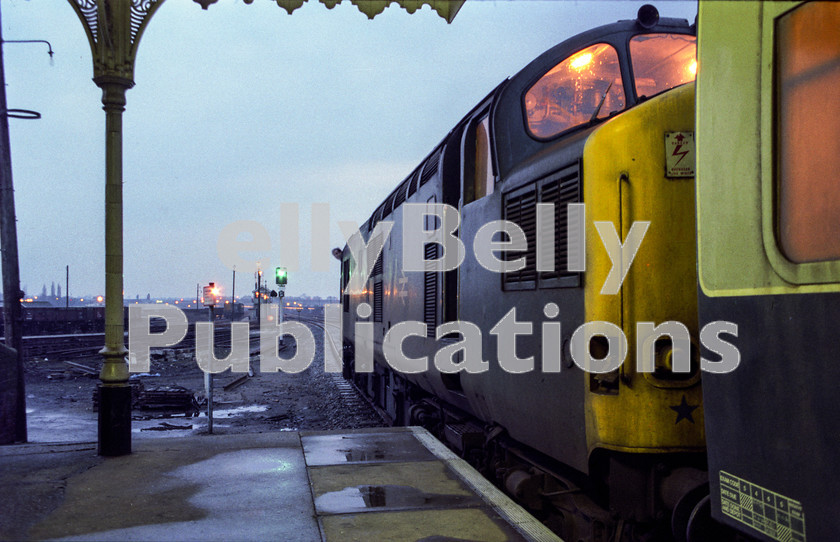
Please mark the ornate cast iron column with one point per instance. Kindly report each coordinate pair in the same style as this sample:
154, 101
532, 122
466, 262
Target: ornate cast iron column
113, 29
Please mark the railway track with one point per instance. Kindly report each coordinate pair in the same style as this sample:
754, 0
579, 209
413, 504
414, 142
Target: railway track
83, 345
347, 407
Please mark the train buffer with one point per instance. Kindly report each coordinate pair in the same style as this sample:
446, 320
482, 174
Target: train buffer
368, 484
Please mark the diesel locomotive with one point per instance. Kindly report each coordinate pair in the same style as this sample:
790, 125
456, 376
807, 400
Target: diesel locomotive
604, 119
637, 451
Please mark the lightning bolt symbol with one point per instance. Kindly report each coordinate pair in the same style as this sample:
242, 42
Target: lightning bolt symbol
678, 153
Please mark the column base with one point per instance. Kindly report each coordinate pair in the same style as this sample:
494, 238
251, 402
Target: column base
114, 420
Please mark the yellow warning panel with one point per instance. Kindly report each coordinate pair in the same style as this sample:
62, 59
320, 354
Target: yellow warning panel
464, 524
402, 484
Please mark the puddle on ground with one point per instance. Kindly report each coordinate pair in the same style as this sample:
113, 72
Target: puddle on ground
341, 449
44, 425
231, 412
363, 455
389, 497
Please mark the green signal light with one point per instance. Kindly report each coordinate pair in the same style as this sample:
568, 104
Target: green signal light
280, 276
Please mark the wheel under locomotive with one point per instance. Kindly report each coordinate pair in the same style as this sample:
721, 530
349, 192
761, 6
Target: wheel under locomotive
612, 455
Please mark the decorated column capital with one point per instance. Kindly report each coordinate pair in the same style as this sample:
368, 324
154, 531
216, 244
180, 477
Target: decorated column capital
114, 28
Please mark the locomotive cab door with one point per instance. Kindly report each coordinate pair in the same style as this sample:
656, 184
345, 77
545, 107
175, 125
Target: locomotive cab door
472, 180
448, 280
451, 195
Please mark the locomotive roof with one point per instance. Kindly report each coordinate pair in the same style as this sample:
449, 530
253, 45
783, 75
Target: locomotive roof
513, 144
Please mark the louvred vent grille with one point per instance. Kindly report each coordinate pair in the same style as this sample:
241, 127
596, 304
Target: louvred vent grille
377, 301
520, 206
430, 290
430, 168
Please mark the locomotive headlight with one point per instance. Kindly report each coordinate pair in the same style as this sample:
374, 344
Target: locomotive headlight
665, 361
665, 357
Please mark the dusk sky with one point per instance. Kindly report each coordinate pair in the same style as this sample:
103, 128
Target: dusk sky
240, 108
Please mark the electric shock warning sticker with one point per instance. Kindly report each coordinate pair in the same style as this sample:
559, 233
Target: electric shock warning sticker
679, 154
767, 512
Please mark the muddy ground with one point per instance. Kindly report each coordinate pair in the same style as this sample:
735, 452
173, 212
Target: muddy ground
60, 404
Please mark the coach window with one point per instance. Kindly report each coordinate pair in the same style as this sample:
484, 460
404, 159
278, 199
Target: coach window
808, 129
662, 61
583, 87
478, 165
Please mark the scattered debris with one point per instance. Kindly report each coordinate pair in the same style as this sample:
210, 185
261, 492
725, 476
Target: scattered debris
166, 426
84, 368
236, 382
165, 398
176, 398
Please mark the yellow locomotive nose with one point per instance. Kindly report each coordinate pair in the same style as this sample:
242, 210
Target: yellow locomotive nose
626, 184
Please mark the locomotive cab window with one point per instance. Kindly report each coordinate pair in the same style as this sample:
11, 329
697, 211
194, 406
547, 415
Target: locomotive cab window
583, 87
662, 61
807, 131
478, 166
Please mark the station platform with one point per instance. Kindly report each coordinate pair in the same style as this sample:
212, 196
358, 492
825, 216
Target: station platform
383, 484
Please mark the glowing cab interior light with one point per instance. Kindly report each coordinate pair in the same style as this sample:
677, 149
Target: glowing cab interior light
581, 61
692, 68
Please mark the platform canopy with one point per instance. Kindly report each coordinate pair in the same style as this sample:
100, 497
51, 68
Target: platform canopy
445, 8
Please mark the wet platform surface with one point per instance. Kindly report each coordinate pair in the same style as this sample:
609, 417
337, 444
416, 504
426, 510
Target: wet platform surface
373, 484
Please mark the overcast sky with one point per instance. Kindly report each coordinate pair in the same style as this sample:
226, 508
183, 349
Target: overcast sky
240, 108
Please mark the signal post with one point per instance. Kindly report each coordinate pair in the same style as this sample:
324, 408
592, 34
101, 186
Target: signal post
211, 298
